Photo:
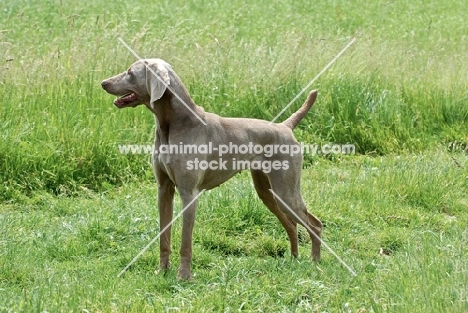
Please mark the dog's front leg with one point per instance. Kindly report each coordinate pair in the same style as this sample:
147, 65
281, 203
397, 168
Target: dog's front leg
190, 206
165, 206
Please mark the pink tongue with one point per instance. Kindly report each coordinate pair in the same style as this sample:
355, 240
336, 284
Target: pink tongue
125, 99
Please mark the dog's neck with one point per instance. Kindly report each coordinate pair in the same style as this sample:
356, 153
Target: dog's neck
171, 113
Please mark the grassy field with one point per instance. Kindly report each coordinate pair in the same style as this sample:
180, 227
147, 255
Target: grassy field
74, 211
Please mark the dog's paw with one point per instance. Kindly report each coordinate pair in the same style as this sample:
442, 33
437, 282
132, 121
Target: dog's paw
184, 274
163, 268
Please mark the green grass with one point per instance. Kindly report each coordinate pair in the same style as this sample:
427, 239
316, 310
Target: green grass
399, 222
400, 88
74, 211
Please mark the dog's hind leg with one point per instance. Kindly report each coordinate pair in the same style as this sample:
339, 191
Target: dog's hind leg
288, 190
262, 186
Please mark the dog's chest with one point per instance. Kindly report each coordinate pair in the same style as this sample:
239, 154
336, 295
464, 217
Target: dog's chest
168, 163
164, 160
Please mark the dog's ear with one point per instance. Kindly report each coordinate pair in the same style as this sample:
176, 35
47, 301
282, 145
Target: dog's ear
157, 80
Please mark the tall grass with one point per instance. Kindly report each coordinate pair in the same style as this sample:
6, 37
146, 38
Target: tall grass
401, 87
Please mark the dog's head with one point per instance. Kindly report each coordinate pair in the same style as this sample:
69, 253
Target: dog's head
143, 83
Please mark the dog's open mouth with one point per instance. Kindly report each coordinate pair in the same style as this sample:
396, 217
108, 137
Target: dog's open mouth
127, 100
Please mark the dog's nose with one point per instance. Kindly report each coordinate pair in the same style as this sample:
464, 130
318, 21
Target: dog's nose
104, 83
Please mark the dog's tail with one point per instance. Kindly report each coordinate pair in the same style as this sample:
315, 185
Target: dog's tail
294, 119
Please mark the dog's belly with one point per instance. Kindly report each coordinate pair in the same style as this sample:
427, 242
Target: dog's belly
213, 179
196, 171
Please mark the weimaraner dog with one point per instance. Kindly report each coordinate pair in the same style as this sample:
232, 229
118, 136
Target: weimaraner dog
181, 123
